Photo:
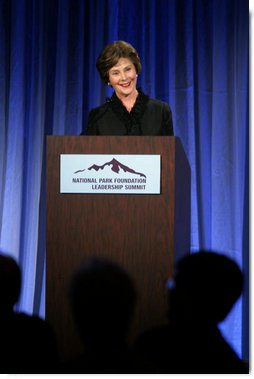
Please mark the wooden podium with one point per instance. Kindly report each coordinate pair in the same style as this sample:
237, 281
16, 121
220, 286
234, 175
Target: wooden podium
145, 234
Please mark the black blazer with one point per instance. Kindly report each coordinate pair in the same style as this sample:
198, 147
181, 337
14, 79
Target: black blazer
148, 117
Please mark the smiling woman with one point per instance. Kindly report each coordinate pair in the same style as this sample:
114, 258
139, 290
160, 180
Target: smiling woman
123, 78
129, 111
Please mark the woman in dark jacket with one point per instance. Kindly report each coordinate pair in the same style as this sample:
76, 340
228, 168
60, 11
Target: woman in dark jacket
129, 111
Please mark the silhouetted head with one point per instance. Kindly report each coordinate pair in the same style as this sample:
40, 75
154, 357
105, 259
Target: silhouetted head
102, 297
206, 286
10, 283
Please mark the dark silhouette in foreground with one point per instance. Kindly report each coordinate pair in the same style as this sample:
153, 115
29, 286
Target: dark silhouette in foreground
205, 288
102, 297
27, 342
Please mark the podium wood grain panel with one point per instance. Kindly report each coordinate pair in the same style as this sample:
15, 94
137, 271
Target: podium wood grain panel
140, 232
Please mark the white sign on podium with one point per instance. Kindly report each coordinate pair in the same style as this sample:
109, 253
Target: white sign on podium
110, 174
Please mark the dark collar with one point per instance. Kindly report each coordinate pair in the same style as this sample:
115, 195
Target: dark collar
136, 114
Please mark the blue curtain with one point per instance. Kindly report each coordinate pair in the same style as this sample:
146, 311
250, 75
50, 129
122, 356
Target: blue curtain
195, 57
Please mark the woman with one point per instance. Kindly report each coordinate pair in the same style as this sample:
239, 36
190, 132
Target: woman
129, 111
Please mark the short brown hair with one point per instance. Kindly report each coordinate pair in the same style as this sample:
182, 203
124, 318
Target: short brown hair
112, 53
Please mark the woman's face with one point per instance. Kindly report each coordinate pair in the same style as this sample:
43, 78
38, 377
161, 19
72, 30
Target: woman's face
123, 77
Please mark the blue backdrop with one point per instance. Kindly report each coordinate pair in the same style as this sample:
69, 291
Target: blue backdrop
195, 57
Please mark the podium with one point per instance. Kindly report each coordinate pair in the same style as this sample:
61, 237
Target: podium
144, 233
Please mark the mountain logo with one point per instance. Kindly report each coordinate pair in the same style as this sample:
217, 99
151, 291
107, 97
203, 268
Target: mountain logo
115, 167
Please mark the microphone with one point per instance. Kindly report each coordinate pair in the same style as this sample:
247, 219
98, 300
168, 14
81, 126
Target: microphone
102, 112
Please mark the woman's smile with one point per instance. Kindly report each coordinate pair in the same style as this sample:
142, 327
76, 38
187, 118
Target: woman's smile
123, 78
